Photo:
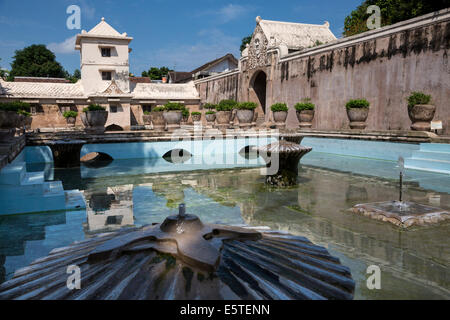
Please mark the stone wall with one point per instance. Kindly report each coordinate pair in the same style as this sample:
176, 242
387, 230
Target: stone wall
384, 66
216, 88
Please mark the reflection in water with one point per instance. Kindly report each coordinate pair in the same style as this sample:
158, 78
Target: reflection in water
414, 263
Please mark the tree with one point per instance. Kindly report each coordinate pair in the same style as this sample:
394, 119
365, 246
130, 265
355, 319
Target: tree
392, 11
245, 41
156, 73
3, 72
75, 76
36, 61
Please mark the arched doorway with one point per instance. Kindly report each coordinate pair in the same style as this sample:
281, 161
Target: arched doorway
259, 87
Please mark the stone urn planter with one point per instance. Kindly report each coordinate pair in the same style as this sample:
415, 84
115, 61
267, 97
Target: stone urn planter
84, 120
147, 118
305, 118
157, 120
173, 119
9, 120
245, 117
421, 116
96, 120
223, 117
196, 117
28, 121
357, 117
71, 121
210, 118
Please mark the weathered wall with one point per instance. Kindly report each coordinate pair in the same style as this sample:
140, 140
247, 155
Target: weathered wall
384, 66
219, 87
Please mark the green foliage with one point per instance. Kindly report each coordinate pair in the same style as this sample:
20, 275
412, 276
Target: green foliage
392, 11
210, 112
245, 41
94, 107
357, 103
174, 106
279, 107
185, 113
36, 61
226, 105
158, 109
15, 106
306, 104
246, 106
146, 113
75, 76
418, 98
156, 73
196, 113
209, 106
24, 113
3, 72
70, 114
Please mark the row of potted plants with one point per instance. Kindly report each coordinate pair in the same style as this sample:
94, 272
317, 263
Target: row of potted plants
13, 115
304, 111
420, 112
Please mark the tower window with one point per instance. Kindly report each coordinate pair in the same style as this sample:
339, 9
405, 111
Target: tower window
106, 75
106, 52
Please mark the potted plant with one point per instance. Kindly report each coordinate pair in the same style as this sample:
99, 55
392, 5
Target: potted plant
357, 112
96, 117
71, 117
147, 118
245, 112
224, 109
184, 115
420, 111
280, 111
210, 116
26, 118
209, 106
157, 118
196, 116
173, 114
13, 115
305, 113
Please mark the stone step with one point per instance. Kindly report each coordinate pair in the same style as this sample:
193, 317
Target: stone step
13, 174
431, 155
428, 165
435, 147
33, 178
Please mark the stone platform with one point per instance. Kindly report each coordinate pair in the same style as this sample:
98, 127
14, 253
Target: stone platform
42, 138
405, 214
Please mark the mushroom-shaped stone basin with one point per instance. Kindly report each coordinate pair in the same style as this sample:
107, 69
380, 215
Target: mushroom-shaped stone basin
282, 158
182, 258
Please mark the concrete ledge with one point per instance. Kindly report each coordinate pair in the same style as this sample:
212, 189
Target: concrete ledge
39, 139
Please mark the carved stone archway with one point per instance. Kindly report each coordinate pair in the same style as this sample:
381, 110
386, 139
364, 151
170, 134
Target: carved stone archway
258, 90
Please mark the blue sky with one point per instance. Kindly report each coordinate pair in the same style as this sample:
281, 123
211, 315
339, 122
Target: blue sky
177, 34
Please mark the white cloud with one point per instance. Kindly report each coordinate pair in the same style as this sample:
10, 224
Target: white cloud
227, 13
65, 47
231, 12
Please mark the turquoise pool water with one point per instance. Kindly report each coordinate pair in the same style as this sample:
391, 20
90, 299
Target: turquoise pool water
414, 263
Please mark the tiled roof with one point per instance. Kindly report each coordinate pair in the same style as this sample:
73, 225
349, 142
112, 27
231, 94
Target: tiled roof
40, 79
180, 76
178, 91
41, 90
296, 35
214, 62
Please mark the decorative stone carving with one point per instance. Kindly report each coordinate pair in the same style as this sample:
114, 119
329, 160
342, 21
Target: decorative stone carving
257, 51
113, 88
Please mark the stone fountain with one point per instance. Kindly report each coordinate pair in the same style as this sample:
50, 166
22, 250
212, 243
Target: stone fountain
283, 156
183, 258
402, 213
